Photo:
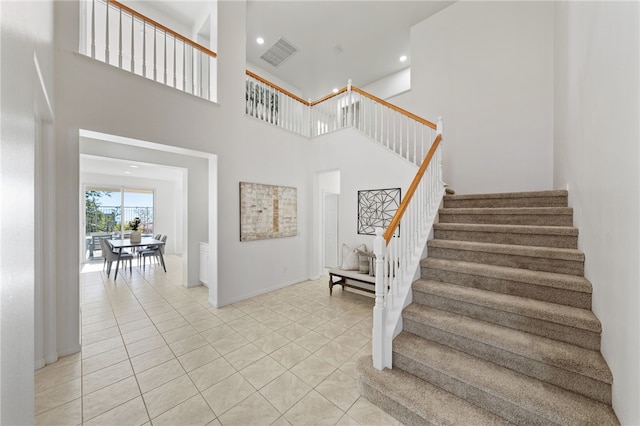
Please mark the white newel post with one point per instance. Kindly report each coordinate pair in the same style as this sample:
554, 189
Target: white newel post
439, 126
378, 341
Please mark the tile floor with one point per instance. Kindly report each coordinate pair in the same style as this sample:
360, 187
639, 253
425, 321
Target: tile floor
154, 352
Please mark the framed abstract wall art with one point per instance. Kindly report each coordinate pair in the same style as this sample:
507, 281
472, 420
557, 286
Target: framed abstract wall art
267, 211
376, 208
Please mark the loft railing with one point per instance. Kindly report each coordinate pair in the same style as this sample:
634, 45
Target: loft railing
273, 104
404, 133
398, 251
118, 35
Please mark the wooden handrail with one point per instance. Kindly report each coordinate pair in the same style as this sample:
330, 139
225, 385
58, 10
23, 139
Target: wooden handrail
395, 108
278, 88
344, 89
412, 189
163, 28
329, 96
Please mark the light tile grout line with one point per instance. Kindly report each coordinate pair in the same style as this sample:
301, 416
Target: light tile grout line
103, 275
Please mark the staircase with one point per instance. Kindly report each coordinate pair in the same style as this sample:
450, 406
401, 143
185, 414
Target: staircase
500, 329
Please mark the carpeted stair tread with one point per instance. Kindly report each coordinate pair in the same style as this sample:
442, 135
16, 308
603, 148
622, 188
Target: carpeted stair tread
514, 229
547, 279
510, 199
414, 401
518, 398
561, 355
510, 249
537, 216
498, 195
539, 211
559, 314
542, 236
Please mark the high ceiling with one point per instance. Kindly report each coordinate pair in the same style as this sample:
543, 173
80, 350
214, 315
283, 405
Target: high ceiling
337, 40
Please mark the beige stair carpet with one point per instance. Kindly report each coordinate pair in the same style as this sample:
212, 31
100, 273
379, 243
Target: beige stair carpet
500, 329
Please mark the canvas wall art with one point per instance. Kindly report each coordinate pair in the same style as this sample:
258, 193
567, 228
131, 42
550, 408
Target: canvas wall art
267, 211
376, 209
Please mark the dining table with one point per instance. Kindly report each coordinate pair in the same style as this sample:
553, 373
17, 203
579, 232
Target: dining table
122, 243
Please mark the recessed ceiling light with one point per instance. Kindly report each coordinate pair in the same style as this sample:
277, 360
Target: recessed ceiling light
403, 58
335, 90
127, 173
133, 166
260, 40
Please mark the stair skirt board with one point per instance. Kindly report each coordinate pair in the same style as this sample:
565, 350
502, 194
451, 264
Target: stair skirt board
500, 329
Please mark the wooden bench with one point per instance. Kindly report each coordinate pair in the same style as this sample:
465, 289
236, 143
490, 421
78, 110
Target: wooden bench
367, 282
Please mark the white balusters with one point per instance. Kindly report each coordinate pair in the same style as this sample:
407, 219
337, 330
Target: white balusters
93, 28
133, 49
106, 34
399, 259
143, 47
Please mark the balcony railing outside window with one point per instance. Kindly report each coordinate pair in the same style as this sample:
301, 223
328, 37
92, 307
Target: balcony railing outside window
117, 35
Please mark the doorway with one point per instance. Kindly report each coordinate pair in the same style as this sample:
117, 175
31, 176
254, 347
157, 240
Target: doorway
330, 225
328, 213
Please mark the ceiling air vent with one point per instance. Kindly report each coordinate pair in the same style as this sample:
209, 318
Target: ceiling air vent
279, 52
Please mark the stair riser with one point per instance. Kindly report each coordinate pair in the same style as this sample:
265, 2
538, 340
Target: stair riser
538, 240
506, 202
515, 288
508, 219
469, 393
574, 382
388, 405
561, 266
551, 330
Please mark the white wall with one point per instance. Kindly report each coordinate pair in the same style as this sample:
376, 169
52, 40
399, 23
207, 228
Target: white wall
23, 42
167, 203
391, 85
102, 98
275, 80
487, 68
596, 149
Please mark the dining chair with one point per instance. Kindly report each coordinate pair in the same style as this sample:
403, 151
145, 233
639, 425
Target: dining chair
155, 252
110, 256
139, 250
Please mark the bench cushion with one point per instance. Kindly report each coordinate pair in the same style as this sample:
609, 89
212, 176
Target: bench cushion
354, 275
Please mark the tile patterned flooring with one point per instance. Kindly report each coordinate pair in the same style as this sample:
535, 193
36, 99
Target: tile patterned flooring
155, 352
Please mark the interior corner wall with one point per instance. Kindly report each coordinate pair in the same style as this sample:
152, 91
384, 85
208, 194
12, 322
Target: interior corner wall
391, 85
343, 150
597, 157
487, 69
23, 43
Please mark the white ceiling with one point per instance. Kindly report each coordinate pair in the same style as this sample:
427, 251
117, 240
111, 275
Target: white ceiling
131, 169
372, 35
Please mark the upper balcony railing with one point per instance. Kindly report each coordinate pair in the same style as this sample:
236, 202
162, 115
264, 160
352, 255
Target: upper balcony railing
404, 133
118, 35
